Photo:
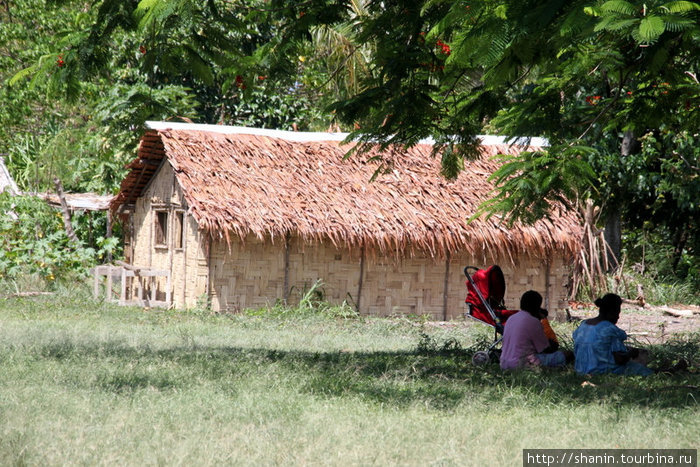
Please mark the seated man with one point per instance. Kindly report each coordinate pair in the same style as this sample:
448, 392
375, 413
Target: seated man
524, 341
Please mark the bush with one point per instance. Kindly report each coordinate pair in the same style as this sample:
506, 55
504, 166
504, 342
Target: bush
312, 302
33, 243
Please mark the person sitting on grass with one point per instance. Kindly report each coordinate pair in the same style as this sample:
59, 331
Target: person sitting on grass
599, 344
524, 341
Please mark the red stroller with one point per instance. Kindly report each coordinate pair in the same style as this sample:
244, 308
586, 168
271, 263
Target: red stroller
485, 291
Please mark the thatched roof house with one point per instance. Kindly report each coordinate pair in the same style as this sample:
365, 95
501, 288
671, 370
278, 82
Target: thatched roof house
246, 217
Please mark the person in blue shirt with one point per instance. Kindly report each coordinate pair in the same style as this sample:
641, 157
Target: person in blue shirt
599, 344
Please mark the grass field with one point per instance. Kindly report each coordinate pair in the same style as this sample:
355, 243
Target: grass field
86, 383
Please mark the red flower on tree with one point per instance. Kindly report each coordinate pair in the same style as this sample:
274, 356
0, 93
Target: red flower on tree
593, 100
60, 63
445, 47
142, 49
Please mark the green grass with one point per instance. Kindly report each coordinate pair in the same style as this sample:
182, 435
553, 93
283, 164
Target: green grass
87, 383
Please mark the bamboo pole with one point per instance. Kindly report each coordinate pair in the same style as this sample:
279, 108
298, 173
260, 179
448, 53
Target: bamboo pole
108, 234
96, 284
184, 276
109, 283
362, 273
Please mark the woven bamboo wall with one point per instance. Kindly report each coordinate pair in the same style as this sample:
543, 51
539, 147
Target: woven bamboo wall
337, 268
252, 274
248, 275
410, 286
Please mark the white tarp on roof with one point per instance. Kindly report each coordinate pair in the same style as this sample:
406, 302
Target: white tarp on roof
304, 136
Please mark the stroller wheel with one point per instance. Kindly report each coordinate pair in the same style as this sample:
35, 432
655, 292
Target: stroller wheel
480, 358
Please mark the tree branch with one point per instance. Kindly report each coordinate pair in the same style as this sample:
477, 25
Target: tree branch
607, 107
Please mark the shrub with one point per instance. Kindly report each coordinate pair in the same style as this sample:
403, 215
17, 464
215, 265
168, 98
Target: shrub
33, 242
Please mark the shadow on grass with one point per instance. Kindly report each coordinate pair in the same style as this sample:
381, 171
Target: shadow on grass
441, 379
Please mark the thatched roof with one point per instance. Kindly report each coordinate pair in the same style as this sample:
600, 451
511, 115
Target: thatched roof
298, 183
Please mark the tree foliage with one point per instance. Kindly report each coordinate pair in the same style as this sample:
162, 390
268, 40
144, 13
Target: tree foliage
611, 84
33, 241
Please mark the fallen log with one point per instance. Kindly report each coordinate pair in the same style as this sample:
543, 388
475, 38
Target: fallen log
677, 313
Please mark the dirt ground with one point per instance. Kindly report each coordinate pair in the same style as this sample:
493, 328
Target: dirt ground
650, 324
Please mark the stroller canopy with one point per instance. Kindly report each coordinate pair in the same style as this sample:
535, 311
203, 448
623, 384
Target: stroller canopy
492, 285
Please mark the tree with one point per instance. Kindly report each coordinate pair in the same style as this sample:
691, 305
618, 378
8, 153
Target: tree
89, 77
612, 85
563, 70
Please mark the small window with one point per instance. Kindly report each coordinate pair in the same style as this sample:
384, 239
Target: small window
179, 233
161, 228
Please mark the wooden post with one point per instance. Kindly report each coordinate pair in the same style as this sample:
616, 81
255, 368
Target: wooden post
154, 287
185, 277
108, 233
446, 287
168, 283
122, 295
139, 290
209, 281
96, 285
109, 283
362, 273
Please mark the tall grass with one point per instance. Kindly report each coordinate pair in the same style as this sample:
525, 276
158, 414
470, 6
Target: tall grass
88, 383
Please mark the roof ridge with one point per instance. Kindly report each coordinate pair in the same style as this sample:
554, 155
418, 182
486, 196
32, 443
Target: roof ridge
311, 136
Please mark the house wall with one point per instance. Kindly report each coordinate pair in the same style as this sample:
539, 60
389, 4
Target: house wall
186, 259
251, 274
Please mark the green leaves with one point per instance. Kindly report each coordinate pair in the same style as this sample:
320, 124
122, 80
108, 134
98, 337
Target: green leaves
531, 184
644, 23
681, 7
650, 28
618, 6
32, 241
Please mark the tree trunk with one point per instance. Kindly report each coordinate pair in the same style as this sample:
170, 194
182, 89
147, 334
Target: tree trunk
630, 144
680, 238
613, 228
66, 212
613, 237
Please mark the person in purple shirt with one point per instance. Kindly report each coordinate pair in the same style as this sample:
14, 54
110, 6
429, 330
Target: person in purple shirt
524, 341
